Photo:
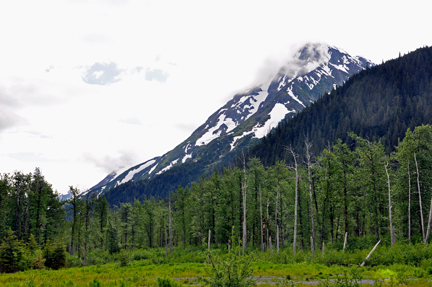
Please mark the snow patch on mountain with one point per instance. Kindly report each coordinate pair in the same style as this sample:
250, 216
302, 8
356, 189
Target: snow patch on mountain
186, 157
235, 139
290, 92
215, 132
131, 173
153, 168
261, 97
168, 167
276, 115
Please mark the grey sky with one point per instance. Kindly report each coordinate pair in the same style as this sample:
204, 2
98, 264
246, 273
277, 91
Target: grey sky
110, 83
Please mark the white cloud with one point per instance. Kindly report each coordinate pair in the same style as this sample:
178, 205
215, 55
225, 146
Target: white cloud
102, 74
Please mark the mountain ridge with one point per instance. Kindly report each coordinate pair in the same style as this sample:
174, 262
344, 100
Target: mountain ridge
247, 117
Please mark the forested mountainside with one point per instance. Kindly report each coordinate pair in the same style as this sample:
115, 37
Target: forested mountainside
379, 103
315, 69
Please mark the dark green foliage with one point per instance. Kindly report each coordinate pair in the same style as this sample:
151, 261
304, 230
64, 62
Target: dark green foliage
12, 254
55, 254
124, 258
113, 246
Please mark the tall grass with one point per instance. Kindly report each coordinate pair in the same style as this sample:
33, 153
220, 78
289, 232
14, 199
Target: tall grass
398, 262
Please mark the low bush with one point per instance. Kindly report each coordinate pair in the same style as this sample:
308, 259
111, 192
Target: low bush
55, 254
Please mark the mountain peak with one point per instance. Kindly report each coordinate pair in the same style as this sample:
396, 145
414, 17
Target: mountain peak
316, 68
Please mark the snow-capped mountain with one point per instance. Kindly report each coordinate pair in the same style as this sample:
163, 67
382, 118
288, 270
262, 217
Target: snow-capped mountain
314, 70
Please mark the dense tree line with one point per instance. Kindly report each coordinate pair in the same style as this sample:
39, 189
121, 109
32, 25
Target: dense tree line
356, 189
33, 221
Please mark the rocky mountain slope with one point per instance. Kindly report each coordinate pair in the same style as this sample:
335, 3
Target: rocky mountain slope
314, 70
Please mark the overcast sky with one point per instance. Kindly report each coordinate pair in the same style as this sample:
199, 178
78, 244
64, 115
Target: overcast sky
87, 87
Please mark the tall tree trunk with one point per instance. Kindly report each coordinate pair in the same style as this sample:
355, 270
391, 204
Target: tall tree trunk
277, 239
420, 201
268, 223
295, 200
309, 166
276, 219
429, 223
244, 206
85, 237
409, 205
25, 227
262, 223
17, 216
166, 244
392, 235
170, 226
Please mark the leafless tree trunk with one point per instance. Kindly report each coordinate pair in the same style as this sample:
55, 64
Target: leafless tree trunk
261, 221
420, 201
209, 239
409, 205
429, 223
323, 248
170, 226
271, 248
166, 244
295, 199
276, 219
244, 206
308, 145
277, 239
268, 224
370, 253
392, 235
345, 241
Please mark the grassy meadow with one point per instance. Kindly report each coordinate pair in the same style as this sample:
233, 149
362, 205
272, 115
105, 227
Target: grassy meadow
401, 265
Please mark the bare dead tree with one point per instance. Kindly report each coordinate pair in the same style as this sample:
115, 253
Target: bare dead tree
170, 226
409, 205
345, 241
308, 146
420, 201
261, 221
295, 198
276, 219
392, 237
268, 223
370, 253
244, 206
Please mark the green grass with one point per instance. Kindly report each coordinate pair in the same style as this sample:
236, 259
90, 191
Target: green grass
187, 264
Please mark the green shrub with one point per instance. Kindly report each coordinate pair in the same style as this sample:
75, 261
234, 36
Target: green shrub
12, 255
55, 254
141, 255
124, 258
